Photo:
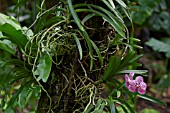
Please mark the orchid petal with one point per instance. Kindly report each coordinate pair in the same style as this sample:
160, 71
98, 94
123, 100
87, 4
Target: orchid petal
139, 79
132, 86
131, 75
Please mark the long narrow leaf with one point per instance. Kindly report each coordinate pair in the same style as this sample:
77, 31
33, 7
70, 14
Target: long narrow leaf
77, 21
122, 3
98, 52
112, 21
112, 4
114, 10
135, 71
78, 45
127, 105
152, 99
111, 105
110, 67
74, 14
86, 18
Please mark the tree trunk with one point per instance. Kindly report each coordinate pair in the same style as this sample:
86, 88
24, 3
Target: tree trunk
73, 77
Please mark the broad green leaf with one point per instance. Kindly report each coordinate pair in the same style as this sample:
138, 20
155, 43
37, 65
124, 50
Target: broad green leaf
10, 20
164, 82
36, 91
44, 67
166, 40
28, 32
5, 76
5, 47
159, 46
14, 35
78, 45
152, 99
144, 10
24, 96
15, 96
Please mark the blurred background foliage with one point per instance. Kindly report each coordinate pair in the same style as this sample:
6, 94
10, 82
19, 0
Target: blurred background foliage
152, 26
151, 20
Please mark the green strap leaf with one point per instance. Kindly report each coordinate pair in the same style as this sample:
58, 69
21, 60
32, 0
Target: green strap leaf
86, 18
135, 71
107, 15
74, 14
122, 3
152, 99
98, 52
86, 36
78, 45
109, 68
111, 105
127, 105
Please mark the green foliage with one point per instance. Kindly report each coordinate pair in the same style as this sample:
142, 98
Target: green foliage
159, 46
144, 11
152, 99
120, 64
10, 20
146, 110
47, 56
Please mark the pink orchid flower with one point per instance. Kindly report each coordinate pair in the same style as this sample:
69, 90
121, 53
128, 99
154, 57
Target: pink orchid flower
135, 85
